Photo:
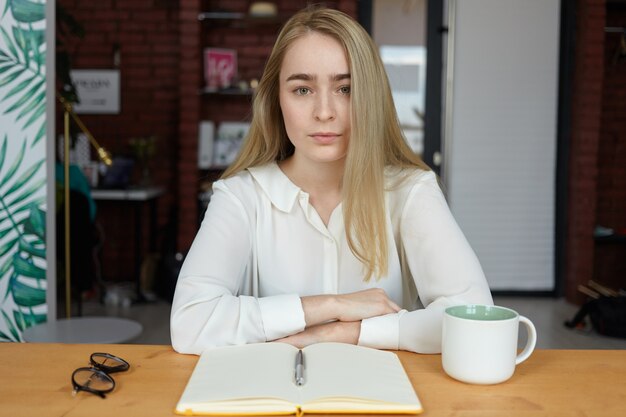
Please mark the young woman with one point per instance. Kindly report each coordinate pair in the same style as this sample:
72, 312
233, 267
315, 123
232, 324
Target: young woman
327, 227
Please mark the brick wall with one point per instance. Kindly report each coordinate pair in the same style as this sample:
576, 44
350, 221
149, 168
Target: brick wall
146, 33
586, 118
189, 82
610, 258
160, 44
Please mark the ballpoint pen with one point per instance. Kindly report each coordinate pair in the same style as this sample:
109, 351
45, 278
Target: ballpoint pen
300, 368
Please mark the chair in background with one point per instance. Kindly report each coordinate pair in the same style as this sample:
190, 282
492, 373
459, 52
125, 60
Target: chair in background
84, 242
84, 270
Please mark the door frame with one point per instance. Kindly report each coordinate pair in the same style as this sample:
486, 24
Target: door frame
433, 109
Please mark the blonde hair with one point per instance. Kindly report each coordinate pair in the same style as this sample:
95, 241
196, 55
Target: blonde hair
376, 138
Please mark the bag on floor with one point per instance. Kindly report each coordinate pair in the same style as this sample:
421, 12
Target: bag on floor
607, 314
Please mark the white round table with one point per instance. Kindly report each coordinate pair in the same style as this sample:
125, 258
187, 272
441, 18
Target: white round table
94, 330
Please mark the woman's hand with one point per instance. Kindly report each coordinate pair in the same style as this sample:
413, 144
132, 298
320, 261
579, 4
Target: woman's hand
350, 307
337, 331
365, 304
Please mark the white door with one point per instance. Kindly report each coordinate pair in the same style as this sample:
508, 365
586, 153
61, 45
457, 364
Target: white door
500, 141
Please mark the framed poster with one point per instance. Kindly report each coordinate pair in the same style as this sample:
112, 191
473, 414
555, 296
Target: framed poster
220, 67
98, 91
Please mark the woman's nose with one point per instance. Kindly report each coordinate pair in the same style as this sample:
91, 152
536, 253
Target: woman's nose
324, 108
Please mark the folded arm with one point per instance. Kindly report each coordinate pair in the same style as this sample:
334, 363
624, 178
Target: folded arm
337, 318
208, 309
443, 267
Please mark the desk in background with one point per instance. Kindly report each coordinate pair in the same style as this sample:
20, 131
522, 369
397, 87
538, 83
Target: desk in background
138, 197
36, 382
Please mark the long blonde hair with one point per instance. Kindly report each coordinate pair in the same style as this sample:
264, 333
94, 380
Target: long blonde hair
376, 140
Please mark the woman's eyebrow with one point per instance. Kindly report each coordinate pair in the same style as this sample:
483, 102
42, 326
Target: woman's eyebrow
311, 77
340, 77
301, 77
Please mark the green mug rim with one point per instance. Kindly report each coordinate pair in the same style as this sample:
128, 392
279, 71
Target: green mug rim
481, 312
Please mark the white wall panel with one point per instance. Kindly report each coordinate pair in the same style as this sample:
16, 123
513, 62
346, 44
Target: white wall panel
501, 143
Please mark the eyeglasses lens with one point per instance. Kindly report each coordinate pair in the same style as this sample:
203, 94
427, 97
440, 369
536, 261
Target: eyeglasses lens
93, 380
109, 363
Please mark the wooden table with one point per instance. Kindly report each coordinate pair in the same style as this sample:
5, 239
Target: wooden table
35, 381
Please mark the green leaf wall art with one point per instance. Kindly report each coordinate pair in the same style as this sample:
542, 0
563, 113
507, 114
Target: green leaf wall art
23, 265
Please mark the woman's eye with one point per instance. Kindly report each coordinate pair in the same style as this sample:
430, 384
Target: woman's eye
302, 91
345, 89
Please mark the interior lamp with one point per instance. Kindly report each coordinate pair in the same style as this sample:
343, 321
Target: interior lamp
103, 155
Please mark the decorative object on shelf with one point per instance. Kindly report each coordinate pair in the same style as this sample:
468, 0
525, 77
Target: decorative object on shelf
243, 85
144, 149
206, 135
118, 175
230, 136
262, 9
80, 155
80, 152
220, 68
259, 12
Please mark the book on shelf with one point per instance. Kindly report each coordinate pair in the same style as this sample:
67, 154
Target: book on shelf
206, 142
228, 141
260, 379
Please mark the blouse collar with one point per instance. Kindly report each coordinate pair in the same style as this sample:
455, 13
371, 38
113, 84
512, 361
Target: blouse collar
276, 185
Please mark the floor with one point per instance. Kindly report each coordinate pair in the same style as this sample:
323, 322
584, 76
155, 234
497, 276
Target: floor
548, 315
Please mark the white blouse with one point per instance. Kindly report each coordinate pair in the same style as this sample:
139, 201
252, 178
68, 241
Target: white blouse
262, 246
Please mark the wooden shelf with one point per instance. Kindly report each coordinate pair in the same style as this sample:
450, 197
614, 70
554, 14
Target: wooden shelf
226, 91
214, 168
220, 16
252, 38
614, 238
241, 19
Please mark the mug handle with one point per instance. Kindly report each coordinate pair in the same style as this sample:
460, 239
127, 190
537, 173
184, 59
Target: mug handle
530, 343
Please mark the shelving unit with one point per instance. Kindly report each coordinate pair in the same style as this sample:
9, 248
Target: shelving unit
252, 38
241, 20
204, 24
226, 92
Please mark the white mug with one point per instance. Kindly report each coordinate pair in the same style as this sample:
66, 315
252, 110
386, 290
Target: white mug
479, 343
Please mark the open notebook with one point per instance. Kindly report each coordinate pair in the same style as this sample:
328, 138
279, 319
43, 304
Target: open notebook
260, 379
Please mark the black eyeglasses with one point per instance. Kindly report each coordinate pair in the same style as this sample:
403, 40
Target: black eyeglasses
95, 378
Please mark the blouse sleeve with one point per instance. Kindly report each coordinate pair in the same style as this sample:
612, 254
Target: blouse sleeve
443, 266
208, 309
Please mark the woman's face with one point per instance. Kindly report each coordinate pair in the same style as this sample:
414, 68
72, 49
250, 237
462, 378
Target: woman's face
314, 94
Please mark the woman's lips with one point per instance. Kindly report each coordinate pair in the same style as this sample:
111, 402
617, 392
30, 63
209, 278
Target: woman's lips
324, 137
